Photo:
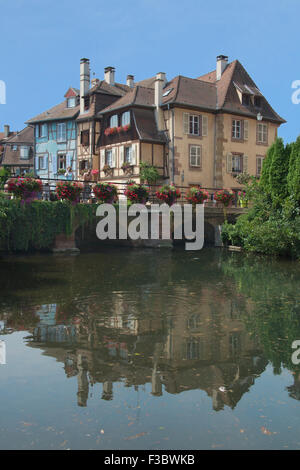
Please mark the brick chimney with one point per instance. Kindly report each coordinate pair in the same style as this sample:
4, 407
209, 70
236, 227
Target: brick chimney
84, 81
222, 61
160, 81
130, 81
109, 75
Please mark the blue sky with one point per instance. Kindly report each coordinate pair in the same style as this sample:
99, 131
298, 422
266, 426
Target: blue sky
42, 41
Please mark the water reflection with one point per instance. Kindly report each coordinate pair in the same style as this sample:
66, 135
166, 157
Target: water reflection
179, 322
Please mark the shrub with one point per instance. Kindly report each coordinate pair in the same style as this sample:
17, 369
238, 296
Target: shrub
137, 193
168, 194
26, 189
105, 192
196, 195
69, 191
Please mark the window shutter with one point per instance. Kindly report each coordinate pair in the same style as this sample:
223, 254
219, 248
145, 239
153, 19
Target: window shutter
114, 157
69, 159
229, 163
102, 158
200, 156
36, 163
185, 123
54, 163
134, 154
204, 125
245, 163
121, 156
45, 162
246, 127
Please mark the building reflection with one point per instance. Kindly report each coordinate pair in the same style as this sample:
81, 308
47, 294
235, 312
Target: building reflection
182, 345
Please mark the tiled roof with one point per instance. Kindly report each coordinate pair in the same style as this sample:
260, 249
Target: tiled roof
25, 136
146, 125
235, 77
118, 89
60, 111
137, 96
12, 157
148, 82
190, 92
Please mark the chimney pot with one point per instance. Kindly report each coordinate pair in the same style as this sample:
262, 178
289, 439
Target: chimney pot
130, 81
84, 81
222, 61
109, 75
6, 130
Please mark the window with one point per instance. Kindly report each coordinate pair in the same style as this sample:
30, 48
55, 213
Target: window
85, 137
108, 157
62, 162
15, 148
113, 121
245, 100
61, 132
128, 154
126, 118
195, 155
259, 164
41, 162
194, 124
83, 165
237, 163
236, 129
24, 152
262, 133
71, 102
42, 130
193, 349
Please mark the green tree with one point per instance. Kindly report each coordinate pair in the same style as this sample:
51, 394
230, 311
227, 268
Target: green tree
293, 177
278, 171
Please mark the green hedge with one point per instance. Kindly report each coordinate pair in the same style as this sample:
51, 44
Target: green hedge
27, 227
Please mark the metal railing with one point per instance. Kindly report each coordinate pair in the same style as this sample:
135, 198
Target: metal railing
49, 186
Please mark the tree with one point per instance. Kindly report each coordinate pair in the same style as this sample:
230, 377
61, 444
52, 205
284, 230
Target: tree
148, 173
293, 177
278, 171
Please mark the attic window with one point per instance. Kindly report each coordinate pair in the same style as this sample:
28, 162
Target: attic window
71, 102
245, 100
166, 93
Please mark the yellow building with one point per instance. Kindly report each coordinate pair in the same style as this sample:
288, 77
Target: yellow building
202, 131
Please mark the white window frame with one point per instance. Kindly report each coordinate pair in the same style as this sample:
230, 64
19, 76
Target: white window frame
236, 131
262, 133
194, 122
128, 153
71, 102
59, 157
196, 156
239, 160
259, 158
126, 118
113, 121
24, 152
61, 132
108, 157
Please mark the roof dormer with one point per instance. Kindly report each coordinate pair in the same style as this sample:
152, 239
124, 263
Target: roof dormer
72, 97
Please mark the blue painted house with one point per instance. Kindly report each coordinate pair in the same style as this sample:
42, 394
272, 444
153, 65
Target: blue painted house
55, 138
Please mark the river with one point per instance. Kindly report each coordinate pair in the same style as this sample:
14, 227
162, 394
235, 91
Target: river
149, 349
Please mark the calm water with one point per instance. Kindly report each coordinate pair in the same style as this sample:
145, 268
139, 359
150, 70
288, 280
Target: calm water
149, 349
